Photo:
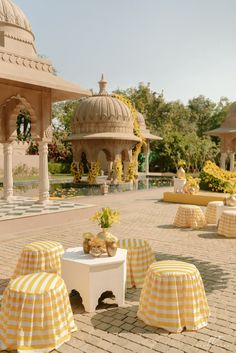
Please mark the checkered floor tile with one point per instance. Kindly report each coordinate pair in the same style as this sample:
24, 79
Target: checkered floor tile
25, 207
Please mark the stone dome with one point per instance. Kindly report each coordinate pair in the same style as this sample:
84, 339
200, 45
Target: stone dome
143, 129
15, 30
141, 121
102, 113
12, 14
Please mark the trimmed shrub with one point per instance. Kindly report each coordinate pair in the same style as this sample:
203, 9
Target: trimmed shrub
59, 168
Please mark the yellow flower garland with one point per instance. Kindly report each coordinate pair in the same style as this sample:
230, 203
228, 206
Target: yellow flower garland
93, 172
77, 172
118, 170
132, 172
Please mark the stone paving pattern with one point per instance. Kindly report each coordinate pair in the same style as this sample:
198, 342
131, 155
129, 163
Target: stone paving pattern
27, 207
116, 329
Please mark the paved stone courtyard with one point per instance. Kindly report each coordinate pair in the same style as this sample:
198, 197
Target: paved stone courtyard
116, 329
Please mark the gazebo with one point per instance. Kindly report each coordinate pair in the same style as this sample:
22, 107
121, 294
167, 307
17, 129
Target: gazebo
105, 123
227, 134
27, 82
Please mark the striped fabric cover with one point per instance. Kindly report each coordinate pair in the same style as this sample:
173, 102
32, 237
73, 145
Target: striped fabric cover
40, 256
189, 216
211, 211
227, 224
173, 297
36, 315
139, 258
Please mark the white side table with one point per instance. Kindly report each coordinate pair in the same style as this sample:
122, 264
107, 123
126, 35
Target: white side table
92, 276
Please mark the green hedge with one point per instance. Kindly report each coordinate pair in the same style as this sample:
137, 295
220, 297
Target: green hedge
59, 168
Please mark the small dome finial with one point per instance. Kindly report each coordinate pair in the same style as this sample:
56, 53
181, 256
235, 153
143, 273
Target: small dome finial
102, 84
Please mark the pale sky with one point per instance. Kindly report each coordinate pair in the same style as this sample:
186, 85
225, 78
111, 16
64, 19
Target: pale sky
183, 47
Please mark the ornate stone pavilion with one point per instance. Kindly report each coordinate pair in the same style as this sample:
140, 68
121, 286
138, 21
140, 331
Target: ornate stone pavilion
104, 123
27, 82
227, 134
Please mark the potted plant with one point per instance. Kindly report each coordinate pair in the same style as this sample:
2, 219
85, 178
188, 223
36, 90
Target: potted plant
105, 218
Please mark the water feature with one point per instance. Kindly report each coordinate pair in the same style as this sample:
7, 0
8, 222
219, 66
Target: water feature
69, 189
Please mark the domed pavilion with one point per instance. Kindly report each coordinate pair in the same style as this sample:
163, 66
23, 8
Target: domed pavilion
27, 83
104, 123
227, 134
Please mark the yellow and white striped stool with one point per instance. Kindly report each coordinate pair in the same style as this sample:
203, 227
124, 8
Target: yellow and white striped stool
189, 216
212, 211
40, 256
35, 315
227, 224
139, 258
173, 297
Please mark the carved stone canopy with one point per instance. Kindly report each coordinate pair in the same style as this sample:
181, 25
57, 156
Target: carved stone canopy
144, 131
102, 117
19, 61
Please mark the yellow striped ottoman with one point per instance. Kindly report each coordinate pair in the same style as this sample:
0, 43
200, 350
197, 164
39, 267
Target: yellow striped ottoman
35, 315
189, 216
39, 256
212, 211
139, 258
173, 297
227, 224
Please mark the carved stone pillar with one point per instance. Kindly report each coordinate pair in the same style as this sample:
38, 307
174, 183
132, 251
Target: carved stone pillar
109, 168
8, 178
223, 160
231, 158
147, 153
43, 172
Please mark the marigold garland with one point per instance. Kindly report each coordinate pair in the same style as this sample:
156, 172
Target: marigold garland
77, 172
132, 172
94, 172
118, 170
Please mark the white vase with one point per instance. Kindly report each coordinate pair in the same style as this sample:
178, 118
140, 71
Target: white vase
181, 173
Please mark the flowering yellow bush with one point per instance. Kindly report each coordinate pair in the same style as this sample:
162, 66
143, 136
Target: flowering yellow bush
192, 181
106, 217
214, 178
94, 172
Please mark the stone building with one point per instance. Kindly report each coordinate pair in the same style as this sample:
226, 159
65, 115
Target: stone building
227, 134
103, 125
27, 83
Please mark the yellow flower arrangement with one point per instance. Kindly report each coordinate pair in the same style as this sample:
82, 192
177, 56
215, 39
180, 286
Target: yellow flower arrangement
181, 163
214, 178
132, 171
137, 132
94, 171
106, 217
118, 170
76, 171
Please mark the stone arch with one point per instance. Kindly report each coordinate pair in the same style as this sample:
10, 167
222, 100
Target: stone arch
11, 109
